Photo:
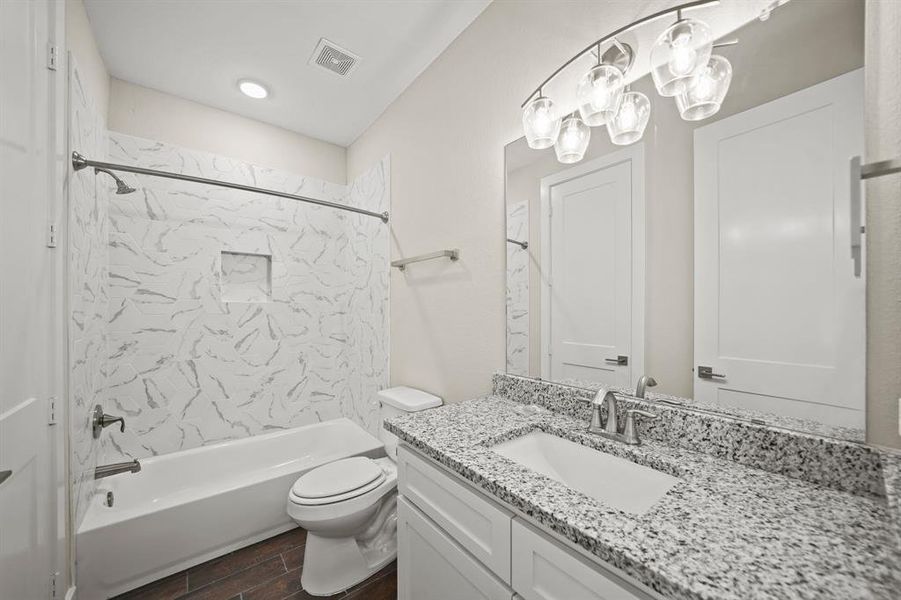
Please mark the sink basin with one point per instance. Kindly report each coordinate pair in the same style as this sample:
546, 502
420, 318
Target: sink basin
614, 481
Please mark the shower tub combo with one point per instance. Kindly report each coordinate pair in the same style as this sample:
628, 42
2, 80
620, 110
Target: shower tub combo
188, 507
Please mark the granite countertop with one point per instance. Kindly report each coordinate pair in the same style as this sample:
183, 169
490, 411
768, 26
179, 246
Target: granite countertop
726, 531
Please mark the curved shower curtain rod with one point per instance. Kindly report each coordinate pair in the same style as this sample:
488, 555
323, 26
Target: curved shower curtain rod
79, 162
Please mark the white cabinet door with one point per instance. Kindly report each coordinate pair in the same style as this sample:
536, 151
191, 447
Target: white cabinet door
26, 302
543, 570
589, 290
431, 566
477, 524
778, 310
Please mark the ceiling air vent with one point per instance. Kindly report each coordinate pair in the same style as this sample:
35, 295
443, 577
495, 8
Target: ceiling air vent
329, 55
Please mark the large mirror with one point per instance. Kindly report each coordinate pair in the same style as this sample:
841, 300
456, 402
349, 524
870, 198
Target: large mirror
714, 256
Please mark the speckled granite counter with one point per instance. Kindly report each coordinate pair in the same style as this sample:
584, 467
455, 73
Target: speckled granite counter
727, 531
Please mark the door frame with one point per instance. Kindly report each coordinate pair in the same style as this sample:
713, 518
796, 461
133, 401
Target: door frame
634, 155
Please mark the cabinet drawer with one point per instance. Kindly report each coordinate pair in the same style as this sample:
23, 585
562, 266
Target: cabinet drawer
544, 570
430, 565
480, 526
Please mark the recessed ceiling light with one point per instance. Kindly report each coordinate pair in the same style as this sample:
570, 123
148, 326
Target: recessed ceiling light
252, 89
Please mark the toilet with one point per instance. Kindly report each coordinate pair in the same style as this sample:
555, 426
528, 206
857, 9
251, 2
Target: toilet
349, 507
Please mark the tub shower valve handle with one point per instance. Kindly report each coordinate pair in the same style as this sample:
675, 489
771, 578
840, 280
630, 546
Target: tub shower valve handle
101, 420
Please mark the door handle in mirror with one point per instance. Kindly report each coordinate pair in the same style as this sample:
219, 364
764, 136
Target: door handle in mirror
707, 373
619, 360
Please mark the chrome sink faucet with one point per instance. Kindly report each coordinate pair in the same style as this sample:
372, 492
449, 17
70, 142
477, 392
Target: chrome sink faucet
643, 382
610, 430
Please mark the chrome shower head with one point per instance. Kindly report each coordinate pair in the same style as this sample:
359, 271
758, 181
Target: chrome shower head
121, 186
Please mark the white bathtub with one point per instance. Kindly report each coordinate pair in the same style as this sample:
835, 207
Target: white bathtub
185, 508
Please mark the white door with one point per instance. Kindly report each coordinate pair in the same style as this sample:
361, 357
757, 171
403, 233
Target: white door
26, 285
589, 328
779, 314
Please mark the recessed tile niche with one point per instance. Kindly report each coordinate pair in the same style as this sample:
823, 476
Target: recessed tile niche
245, 277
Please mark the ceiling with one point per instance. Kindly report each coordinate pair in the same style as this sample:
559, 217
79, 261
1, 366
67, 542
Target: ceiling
199, 49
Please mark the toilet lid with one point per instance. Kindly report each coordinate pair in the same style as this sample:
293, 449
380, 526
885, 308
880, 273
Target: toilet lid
337, 478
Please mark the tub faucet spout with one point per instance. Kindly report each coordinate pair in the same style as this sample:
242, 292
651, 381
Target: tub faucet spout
114, 469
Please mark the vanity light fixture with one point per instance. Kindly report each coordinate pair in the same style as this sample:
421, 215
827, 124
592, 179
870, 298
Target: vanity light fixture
253, 89
703, 97
573, 140
681, 66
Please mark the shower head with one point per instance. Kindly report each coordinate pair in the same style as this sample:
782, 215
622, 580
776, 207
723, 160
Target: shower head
121, 186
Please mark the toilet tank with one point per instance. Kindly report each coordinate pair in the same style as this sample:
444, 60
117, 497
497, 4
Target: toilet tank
398, 401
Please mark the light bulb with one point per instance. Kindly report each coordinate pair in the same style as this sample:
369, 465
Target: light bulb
683, 58
573, 140
599, 93
679, 53
628, 116
629, 123
540, 123
704, 87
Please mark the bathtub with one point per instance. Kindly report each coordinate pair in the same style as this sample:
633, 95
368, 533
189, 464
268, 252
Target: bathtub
185, 508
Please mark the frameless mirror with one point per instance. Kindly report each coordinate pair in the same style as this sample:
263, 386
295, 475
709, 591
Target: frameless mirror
714, 255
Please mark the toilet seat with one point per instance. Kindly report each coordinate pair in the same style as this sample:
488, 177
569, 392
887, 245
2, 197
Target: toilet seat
357, 501
340, 497
340, 480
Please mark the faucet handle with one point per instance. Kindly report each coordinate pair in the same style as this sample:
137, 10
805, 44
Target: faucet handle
630, 433
101, 420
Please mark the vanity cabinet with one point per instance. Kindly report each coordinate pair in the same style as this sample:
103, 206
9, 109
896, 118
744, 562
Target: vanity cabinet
456, 543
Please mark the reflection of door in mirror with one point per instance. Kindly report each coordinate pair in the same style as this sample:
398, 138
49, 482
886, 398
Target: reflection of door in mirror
589, 328
779, 314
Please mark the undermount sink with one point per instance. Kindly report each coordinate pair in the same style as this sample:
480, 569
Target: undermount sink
614, 481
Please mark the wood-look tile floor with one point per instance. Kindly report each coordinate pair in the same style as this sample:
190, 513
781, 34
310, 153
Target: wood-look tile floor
268, 570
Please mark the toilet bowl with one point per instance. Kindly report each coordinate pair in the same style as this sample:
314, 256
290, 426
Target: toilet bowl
348, 507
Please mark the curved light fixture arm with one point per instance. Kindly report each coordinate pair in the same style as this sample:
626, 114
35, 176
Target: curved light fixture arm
612, 36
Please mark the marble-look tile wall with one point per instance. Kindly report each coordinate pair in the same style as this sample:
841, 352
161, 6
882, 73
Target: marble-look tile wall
517, 289
88, 197
188, 368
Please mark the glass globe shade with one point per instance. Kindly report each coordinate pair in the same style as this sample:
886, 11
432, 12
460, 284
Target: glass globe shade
540, 123
573, 140
704, 96
630, 121
679, 54
599, 94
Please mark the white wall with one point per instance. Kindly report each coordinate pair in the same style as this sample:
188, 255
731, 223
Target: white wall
883, 114
151, 114
446, 135
81, 43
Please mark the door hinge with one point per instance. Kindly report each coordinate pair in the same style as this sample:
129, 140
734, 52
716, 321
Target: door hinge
51, 235
52, 57
53, 578
51, 411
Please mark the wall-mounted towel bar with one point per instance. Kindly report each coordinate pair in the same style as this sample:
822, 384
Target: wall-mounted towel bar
878, 169
402, 263
523, 245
